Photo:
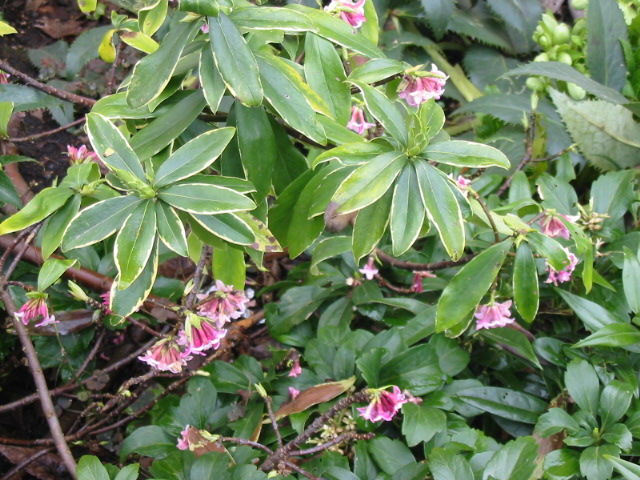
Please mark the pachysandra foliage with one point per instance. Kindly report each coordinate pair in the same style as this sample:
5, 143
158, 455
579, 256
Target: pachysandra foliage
459, 267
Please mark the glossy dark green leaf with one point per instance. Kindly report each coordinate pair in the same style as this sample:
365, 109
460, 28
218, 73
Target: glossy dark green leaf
54, 228
194, 156
338, 31
257, 146
228, 227
201, 7
461, 153
353, 153
98, 221
90, 468
593, 463
550, 249
593, 315
631, 279
516, 459
606, 28
629, 470
51, 270
8, 192
421, 422
385, 111
442, 207
204, 199
134, 243
40, 207
167, 127
416, 369
390, 455
447, 465
612, 335
582, 383
235, 61
170, 229
151, 441
271, 18
291, 97
368, 183
213, 86
464, 292
376, 69
407, 211
370, 225
516, 341
153, 72
614, 402
324, 72
555, 421
505, 403
329, 248
111, 146
526, 293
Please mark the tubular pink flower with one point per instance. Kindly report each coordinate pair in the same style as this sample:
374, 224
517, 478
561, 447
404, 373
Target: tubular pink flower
417, 286
165, 355
369, 271
463, 182
552, 226
199, 335
383, 405
563, 275
36, 307
226, 304
106, 301
296, 369
205, 28
357, 123
183, 441
352, 13
293, 393
494, 315
416, 90
80, 154
4, 78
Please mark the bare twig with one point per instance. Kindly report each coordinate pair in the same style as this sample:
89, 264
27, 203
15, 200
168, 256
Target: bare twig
339, 439
56, 92
36, 136
32, 458
197, 276
405, 265
487, 212
274, 422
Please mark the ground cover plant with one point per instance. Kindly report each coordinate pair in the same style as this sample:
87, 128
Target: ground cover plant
351, 240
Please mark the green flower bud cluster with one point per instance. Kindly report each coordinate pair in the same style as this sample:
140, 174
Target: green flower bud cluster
560, 43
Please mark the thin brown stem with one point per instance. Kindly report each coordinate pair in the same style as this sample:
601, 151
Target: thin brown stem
487, 212
56, 92
343, 437
197, 276
36, 136
274, 422
30, 459
111, 76
405, 265
247, 443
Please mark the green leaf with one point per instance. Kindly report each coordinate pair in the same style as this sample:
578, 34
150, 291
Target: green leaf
111, 146
51, 271
447, 465
554, 421
461, 153
194, 156
464, 292
371, 223
353, 153
54, 228
329, 248
201, 7
90, 468
526, 293
151, 441
390, 455
505, 403
368, 183
438, 14
442, 207
606, 28
421, 422
376, 69
257, 146
213, 86
614, 402
228, 227
606, 134
324, 72
582, 384
204, 199
40, 207
407, 213
139, 41
125, 302
152, 73
6, 109
6, 29
130, 472
338, 31
8, 192
167, 127
291, 97
631, 279
98, 221
593, 315
230, 267
271, 18
199, 406
134, 243
235, 61
416, 369
385, 111
515, 340
630, 471
264, 239
593, 463
170, 229
561, 71
550, 249
516, 459
151, 17
612, 335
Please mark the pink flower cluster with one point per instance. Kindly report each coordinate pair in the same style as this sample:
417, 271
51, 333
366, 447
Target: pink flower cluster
417, 286
200, 332
563, 275
553, 226
357, 123
416, 90
384, 405
369, 270
80, 154
494, 315
36, 307
350, 12
4, 78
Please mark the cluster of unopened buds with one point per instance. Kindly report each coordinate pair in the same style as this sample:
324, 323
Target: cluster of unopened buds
384, 404
80, 154
200, 332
